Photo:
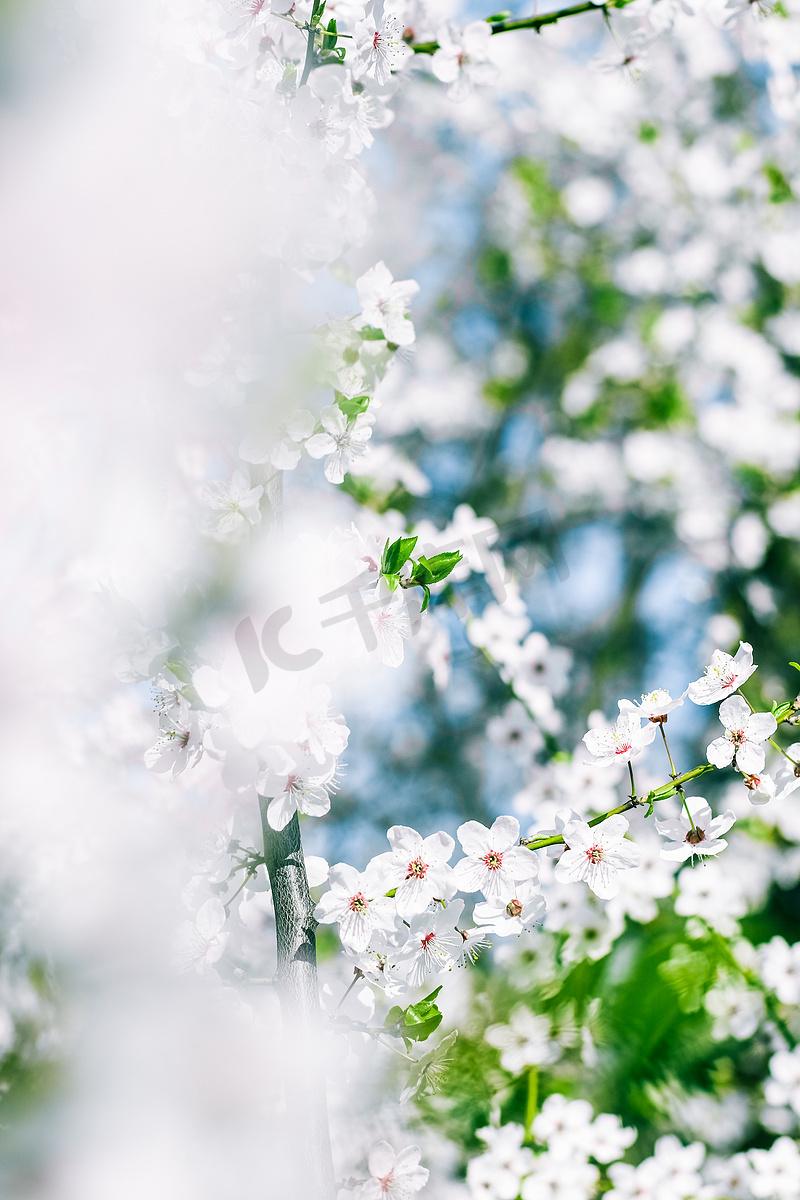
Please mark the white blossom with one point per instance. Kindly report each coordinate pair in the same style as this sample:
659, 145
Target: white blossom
695, 831
525, 1041
233, 504
341, 441
379, 46
358, 903
394, 1175
621, 742
494, 863
385, 302
596, 854
744, 733
462, 59
418, 868
724, 674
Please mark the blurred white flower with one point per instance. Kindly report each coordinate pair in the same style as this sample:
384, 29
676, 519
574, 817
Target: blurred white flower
525, 1041
462, 59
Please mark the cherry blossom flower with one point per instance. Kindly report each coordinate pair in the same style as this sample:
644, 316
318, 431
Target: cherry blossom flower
564, 1124
433, 944
596, 854
494, 863
226, 371
295, 781
323, 729
379, 45
232, 503
499, 1172
393, 1176
724, 674
737, 1010
244, 15
760, 788
418, 868
384, 303
609, 1138
392, 626
654, 705
744, 733
780, 969
201, 942
341, 441
515, 731
776, 1172
621, 742
699, 835
524, 1042
284, 452
472, 942
182, 731
357, 902
462, 59
520, 914
713, 894
787, 776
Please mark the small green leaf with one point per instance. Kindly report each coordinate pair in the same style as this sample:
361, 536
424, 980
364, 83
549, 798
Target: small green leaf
686, 972
795, 665
352, 406
330, 38
780, 191
495, 18
427, 599
393, 1017
396, 555
370, 334
440, 565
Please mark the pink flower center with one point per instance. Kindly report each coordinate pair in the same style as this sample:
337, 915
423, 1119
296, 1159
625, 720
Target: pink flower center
493, 860
753, 782
513, 908
376, 40
623, 748
358, 904
595, 854
426, 941
417, 869
737, 737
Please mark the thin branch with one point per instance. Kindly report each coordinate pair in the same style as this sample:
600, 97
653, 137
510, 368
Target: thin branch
660, 793
535, 22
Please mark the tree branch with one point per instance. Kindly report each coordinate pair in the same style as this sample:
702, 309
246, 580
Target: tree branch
296, 982
532, 22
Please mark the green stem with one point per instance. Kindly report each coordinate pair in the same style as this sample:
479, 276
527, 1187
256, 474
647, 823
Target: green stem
660, 793
309, 61
532, 1104
535, 22
674, 776
633, 781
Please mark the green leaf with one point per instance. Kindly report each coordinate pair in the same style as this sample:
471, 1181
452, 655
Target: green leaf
393, 1017
780, 191
330, 38
179, 669
396, 555
427, 598
795, 665
370, 334
686, 972
440, 565
495, 18
422, 1018
351, 406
